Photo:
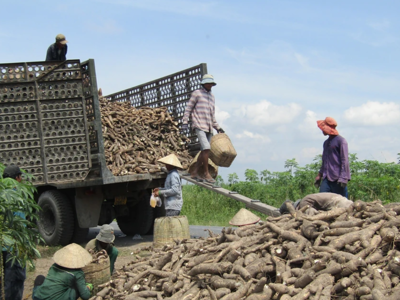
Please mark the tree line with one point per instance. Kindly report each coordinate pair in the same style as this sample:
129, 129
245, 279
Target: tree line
370, 180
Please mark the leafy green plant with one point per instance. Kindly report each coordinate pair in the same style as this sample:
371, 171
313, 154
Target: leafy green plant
18, 235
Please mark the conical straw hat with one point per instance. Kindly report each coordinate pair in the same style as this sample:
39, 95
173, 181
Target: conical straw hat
171, 160
72, 256
244, 217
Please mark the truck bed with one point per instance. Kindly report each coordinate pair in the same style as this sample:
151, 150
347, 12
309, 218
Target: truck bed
50, 121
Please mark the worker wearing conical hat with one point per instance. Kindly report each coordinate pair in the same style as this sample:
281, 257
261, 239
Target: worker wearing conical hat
172, 190
65, 279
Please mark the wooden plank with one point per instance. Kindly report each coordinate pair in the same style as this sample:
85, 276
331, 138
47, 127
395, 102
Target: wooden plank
250, 203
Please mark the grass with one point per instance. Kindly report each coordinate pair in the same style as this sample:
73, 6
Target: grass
204, 207
48, 251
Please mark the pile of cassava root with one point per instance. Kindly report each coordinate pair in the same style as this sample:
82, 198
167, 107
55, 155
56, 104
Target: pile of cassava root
98, 256
134, 139
339, 254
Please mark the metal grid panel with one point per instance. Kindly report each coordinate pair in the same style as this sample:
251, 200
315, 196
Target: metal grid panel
43, 120
172, 91
89, 90
42, 70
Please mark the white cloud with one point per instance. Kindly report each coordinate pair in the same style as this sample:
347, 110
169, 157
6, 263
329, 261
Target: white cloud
374, 113
265, 113
309, 121
308, 127
254, 136
221, 116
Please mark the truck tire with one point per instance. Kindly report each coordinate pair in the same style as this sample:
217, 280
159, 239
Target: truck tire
56, 219
140, 218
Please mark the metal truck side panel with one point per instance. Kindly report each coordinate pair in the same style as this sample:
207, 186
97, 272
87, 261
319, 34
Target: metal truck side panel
43, 126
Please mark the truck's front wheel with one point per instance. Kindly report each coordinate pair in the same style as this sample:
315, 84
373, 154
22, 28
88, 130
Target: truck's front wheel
140, 218
56, 219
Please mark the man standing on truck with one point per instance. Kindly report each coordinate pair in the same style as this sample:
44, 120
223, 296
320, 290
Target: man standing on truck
14, 273
335, 169
201, 107
58, 50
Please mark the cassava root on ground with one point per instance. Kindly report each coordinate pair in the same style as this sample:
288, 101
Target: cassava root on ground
267, 261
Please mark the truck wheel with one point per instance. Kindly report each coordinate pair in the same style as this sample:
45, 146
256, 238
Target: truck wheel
56, 219
140, 218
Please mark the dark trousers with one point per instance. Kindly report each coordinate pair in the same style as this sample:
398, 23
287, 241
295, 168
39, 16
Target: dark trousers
14, 277
332, 187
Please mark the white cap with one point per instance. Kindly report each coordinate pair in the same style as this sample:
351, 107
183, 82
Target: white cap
207, 78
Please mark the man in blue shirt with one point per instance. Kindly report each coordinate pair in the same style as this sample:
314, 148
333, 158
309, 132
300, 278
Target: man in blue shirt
14, 274
58, 50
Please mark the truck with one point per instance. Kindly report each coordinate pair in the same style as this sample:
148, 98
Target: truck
50, 126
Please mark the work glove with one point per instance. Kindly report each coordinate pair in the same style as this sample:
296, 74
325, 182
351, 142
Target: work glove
185, 127
220, 130
89, 286
343, 184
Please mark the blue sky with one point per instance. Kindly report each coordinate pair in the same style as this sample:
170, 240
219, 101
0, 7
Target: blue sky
280, 65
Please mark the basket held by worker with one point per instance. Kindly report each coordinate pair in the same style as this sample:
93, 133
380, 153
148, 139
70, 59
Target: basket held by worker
222, 151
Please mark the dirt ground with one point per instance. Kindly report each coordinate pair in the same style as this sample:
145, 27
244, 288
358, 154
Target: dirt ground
43, 264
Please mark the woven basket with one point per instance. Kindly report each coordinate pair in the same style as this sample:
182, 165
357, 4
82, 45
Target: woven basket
168, 229
222, 152
212, 168
97, 273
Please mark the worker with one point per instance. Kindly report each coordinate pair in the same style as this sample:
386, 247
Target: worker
14, 273
172, 191
201, 107
65, 279
335, 169
58, 50
317, 202
105, 240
